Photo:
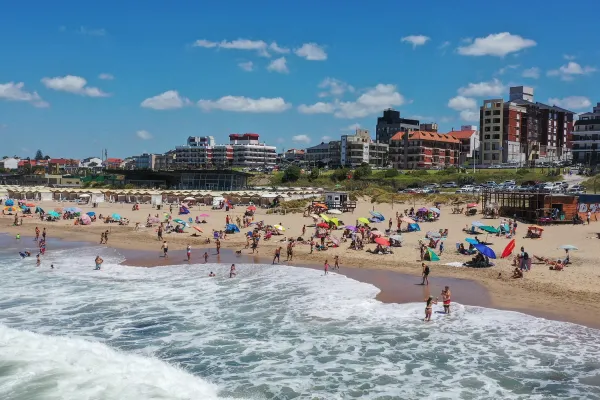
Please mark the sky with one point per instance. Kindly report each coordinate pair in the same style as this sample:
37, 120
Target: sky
77, 77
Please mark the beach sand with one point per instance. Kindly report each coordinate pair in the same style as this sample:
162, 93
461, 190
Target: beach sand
569, 295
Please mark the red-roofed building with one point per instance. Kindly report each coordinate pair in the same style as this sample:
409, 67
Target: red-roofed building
468, 135
423, 150
113, 163
55, 165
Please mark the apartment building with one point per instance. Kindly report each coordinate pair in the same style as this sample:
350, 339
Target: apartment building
360, 148
428, 127
585, 138
424, 150
468, 136
391, 123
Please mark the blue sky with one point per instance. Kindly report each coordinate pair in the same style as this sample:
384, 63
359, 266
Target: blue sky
77, 77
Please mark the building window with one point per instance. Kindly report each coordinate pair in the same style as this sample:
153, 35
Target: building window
496, 129
487, 121
496, 112
487, 113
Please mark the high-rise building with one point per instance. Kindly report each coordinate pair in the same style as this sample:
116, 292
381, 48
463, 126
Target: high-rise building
586, 138
391, 123
360, 148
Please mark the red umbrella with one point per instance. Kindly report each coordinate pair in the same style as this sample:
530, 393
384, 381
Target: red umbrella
251, 208
382, 241
509, 248
472, 205
323, 225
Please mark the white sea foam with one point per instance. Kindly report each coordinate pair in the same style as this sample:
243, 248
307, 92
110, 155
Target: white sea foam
282, 332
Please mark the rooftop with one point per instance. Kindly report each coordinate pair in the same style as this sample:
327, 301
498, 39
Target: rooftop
421, 135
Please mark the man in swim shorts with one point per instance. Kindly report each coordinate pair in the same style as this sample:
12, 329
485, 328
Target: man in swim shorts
446, 299
165, 249
98, 261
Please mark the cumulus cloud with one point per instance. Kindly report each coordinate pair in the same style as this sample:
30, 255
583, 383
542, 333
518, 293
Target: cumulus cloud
416, 40
73, 84
258, 46
106, 77
279, 65
571, 102
499, 45
334, 87
490, 88
246, 66
144, 135
301, 139
245, 104
572, 69
371, 101
469, 115
168, 100
13, 91
533, 73
277, 49
311, 52
92, 32
351, 127
462, 103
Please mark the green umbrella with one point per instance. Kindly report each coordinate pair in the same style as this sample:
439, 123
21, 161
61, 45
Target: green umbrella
432, 255
179, 221
488, 229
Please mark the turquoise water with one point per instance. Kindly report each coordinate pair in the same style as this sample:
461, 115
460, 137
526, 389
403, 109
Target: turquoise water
274, 332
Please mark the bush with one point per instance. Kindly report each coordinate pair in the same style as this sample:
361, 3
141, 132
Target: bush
363, 171
339, 175
314, 173
291, 174
391, 173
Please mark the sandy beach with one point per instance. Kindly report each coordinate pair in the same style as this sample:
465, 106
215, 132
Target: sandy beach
568, 295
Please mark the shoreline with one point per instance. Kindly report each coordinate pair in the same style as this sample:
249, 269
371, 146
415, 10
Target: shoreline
398, 283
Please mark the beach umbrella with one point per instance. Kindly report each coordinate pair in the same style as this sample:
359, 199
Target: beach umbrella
11, 209
179, 221
408, 220
471, 241
568, 247
432, 255
488, 229
350, 228
29, 205
508, 249
9, 202
116, 217
204, 215
376, 233
397, 237
382, 241
335, 221
85, 219
334, 212
39, 209
321, 205
189, 199
377, 215
325, 217
322, 225
198, 229
91, 213
279, 227
477, 224
472, 205
422, 209
486, 251
435, 210
54, 214
251, 208
364, 220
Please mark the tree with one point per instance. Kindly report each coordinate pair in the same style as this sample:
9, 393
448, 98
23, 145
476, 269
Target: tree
339, 175
314, 173
291, 174
363, 171
39, 155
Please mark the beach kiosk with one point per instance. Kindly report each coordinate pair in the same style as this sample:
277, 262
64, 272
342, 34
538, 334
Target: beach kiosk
339, 201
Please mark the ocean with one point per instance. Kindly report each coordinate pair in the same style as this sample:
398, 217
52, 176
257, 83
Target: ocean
273, 332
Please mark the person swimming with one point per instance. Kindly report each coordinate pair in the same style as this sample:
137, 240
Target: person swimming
24, 254
232, 272
98, 261
212, 274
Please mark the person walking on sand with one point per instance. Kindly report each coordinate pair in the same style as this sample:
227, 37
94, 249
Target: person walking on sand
205, 257
290, 251
589, 217
390, 223
189, 252
429, 302
326, 267
303, 230
101, 237
336, 264
425, 274
106, 237
277, 255
165, 249
218, 242
446, 299
160, 232
441, 247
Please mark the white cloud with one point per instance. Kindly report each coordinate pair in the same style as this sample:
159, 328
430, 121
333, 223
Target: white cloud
106, 77
462, 103
444, 45
73, 84
571, 102
533, 73
311, 52
325, 138
165, 101
144, 135
12, 91
416, 40
275, 48
491, 88
259, 46
317, 108
92, 32
351, 127
570, 70
279, 65
504, 70
246, 66
499, 45
569, 57
469, 115
301, 139
245, 104
334, 87
207, 44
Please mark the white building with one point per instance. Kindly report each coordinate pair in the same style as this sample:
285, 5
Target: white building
468, 135
360, 148
91, 162
9, 163
586, 137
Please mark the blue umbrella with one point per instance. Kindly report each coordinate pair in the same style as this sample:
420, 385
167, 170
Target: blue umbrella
39, 210
116, 217
486, 251
435, 210
377, 215
54, 214
9, 202
471, 241
91, 213
477, 223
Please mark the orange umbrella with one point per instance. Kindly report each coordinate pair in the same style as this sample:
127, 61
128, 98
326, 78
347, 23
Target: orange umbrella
382, 241
535, 227
321, 205
30, 205
198, 229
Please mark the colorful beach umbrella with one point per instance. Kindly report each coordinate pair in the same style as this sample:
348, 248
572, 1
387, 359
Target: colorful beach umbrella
279, 227
9, 202
91, 213
39, 209
325, 217
335, 221
364, 220
472, 205
198, 229
471, 241
488, 229
422, 209
508, 249
204, 215
116, 217
435, 210
568, 247
85, 219
408, 220
486, 251
322, 225
251, 208
54, 214
30, 204
179, 221
432, 255
382, 241
11, 209
350, 228
377, 215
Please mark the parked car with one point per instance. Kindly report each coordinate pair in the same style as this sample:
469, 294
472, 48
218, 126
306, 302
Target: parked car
449, 185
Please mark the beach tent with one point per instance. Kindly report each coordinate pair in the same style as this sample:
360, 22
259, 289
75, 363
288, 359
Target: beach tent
413, 227
231, 228
217, 200
183, 210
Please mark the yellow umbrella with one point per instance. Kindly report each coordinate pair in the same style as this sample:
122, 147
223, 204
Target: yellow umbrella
279, 227
335, 221
325, 217
364, 220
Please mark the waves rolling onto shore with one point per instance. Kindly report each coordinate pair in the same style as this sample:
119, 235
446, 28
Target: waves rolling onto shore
270, 333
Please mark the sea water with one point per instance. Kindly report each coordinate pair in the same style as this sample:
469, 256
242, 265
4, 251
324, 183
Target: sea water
272, 332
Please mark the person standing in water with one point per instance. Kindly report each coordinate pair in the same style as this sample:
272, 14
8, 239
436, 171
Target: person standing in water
218, 242
44, 234
165, 249
205, 257
38, 261
446, 299
232, 272
425, 274
336, 264
326, 267
98, 261
277, 255
189, 252
429, 302
37, 234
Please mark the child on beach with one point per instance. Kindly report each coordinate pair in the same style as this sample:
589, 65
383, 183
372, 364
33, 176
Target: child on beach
189, 252
326, 267
232, 272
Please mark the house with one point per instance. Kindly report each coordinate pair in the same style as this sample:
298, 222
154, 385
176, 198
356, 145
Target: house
113, 163
62, 164
9, 163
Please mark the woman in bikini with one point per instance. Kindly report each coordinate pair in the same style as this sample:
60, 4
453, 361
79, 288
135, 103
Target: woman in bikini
429, 302
446, 299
